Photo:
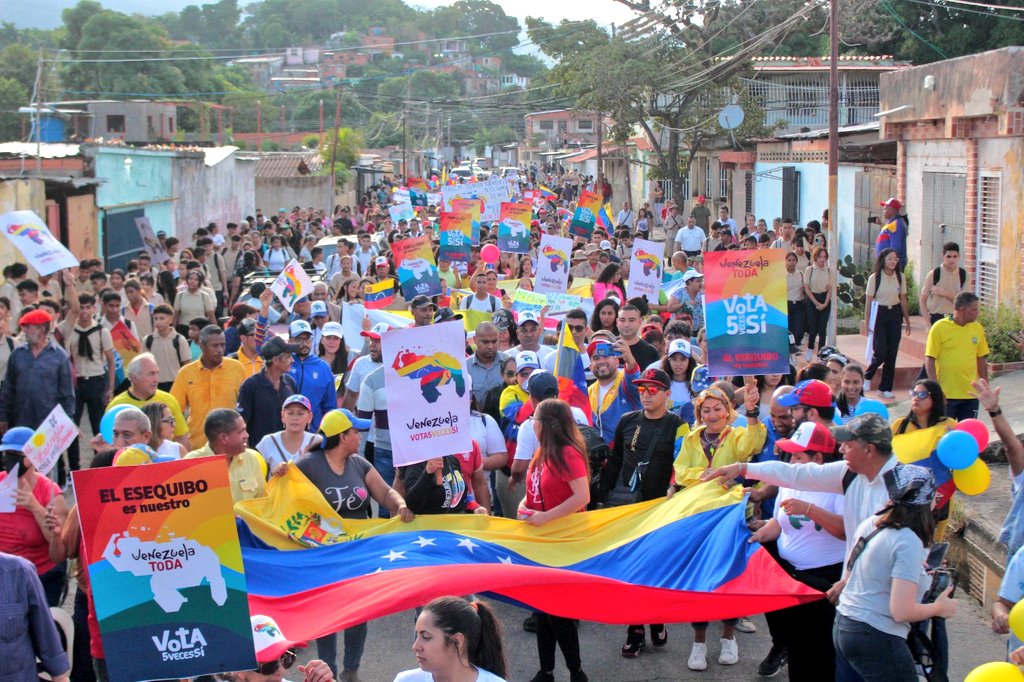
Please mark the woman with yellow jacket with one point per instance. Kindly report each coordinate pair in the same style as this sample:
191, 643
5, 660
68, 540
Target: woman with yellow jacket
716, 442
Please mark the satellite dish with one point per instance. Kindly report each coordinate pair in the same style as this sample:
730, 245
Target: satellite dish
731, 117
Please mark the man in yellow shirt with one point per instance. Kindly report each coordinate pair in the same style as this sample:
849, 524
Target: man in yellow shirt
247, 354
210, 382
226, 435
955, 355
143, 377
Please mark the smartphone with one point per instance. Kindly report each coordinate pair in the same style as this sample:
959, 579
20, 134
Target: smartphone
936, 555
503, 294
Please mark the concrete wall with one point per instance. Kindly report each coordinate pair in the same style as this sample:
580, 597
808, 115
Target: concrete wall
929, 156
224, 192
273, 193
20, 195
147, 184
1005, 157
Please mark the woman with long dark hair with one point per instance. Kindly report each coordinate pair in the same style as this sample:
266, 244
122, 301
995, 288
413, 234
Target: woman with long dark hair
609, 283
605, 316
457, 640
927, 409
887, 288
884, 577
851, 390
557, 484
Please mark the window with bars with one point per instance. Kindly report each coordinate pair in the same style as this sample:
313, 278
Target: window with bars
707, 178
989, 199
723, 183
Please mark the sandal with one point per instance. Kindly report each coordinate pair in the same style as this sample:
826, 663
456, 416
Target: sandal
659, 635
634, 643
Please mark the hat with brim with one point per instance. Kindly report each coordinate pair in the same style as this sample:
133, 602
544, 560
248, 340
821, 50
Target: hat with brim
870, 428
277, 346
910, 485
654, 377
340, 421
808, 436
269, 641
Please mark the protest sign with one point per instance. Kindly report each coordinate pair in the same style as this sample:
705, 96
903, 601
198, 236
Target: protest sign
584, 218
9, 491
745, 312
491, 192
428, 404
645, 270
401, 212
514, 228
149, 239
166, 570
474, 208
560, 303
415, 267
455, 235
352, 315
400, 195
553, 264
292, 284
433, 198
528, 300
52, 438
33, 239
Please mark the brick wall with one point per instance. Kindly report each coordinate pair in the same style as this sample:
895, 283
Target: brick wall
971, 209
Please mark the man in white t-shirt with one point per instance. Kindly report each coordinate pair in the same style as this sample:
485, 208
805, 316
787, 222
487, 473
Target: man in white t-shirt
724, 219
690, 237
530, 332
481, 299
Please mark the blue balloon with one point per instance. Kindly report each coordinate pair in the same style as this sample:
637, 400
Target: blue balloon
107, 423
957, 450
871, 406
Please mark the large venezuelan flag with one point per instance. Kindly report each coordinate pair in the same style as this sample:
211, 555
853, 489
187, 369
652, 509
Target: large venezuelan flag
685, 559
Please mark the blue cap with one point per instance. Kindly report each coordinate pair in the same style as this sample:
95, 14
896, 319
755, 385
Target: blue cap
15, 439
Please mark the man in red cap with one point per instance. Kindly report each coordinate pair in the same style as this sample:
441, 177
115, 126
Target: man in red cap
38, 377
893, 234
811, 401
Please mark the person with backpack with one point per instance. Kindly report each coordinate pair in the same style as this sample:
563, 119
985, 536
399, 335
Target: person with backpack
639, 467
170, 348
885, 303
942, 284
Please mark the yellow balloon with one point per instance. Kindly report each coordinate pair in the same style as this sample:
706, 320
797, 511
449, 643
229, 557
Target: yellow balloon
974, 479
1017, 619
995, 672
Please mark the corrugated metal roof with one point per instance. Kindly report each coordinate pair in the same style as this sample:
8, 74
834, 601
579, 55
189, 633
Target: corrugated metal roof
286, 165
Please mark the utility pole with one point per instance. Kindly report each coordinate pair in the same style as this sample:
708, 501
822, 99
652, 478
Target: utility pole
283, 129
451, 148
600, 158
259, 126
321, 122
405, 140
334, 147
832, 235
37, 99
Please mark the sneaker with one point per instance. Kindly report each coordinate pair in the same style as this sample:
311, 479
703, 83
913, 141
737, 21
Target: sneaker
634, 643
698, 657
745, 625
542, 676
578, 676
530, 624
659, 635
773, 662
730, 652
349, 676
888, 395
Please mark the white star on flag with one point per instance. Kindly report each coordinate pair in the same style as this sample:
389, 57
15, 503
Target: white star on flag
468, 544
392, 555
423, 542
505, 560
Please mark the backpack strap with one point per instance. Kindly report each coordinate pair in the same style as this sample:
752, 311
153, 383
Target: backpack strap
848, 479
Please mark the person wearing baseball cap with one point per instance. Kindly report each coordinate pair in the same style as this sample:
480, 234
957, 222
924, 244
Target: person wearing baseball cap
275, 652
294, 439
312, 375
262, 396
529, 329
639, 467
613, 394
893, 233
422, 308
807, 527
811, 400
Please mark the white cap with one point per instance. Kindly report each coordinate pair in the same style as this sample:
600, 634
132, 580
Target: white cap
691, 275
527, 358
605, 245
527, 316
268, 639
333, 329
679, 346
299, 327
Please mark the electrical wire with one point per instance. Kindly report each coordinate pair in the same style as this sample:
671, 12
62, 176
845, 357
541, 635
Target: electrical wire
935, 5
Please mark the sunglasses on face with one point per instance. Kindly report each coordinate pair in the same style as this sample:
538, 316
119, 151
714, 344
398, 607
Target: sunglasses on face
653, 390
576, 329
286, 661
920, 395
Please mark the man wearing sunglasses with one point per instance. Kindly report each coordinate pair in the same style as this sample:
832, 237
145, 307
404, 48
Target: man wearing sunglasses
613, 394
640, 467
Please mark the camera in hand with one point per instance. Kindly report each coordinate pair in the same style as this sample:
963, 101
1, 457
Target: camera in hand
941, 579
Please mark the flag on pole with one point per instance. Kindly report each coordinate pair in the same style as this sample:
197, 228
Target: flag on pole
379, 295
604, 217
572, 378
547, 193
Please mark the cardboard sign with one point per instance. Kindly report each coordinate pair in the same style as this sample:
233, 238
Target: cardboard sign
292, 284
646, 268
514, 228
415, 267
33, 239
52, 438
428, 403
166, 569
553, 262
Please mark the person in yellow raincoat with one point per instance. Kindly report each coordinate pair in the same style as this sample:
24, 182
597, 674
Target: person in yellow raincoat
713, 443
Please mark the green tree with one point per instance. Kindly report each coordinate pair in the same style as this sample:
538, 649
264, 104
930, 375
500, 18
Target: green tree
75, 19
18, 62
343, 148
477, 17
13, 94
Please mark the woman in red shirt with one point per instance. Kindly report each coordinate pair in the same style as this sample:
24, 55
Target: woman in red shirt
25, 532
557, 484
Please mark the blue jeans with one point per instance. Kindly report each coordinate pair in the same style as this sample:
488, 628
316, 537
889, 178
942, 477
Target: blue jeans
962, 408
873, 654
355, 640
384, 464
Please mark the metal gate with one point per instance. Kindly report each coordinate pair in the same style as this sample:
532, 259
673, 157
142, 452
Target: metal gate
871, 187
942, 216
987, 271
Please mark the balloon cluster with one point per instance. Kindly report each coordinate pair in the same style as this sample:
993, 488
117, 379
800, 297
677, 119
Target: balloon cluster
959, 450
